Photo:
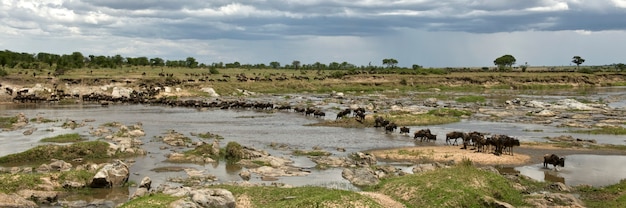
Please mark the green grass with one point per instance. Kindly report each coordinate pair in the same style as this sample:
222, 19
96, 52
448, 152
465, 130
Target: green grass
449, 112
471, 99
311, 153
7, 122
301, 197
458, 186
210, 135
151, 201
11, 183
82, 176
91, 150
604, 197
604, 130
64, 138
42, 120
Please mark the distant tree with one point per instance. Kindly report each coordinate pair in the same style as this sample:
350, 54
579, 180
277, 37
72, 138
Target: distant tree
504, 62
334, 65
191, 62
390, 62
524, 67
416, 67
157, 62
578, 61
295, 64
275, 64
620, 66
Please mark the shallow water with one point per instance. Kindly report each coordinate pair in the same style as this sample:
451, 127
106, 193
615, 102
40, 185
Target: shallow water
595, 170
260, 129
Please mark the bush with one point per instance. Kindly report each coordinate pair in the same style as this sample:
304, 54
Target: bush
213, 70
234, 151
3, 73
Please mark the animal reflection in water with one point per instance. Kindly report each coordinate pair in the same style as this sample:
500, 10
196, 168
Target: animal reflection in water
551, 176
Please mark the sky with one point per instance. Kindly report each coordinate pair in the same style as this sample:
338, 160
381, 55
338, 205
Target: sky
430, 33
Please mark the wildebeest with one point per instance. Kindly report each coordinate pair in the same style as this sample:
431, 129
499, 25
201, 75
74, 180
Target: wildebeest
455, 135
404, 130
381, 122
390, 127
343, 113
553, 159
422, 134
502, 143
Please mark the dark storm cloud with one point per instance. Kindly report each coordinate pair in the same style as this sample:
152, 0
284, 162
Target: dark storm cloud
266, 19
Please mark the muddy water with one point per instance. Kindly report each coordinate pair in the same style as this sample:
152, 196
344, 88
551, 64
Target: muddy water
595, 170
260, 129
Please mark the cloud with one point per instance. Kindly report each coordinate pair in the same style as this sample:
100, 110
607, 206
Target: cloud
308, 30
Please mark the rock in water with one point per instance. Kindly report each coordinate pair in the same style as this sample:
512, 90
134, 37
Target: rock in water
111, 175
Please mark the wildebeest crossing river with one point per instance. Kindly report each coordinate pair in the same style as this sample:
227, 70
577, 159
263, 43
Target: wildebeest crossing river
260, 129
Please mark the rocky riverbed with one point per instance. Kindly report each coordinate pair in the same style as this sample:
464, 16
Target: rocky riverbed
276, 158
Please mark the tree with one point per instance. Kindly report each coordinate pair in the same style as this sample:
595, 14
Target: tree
191, 62
578, 61
295, 64
390, 62
504, 61
275, 64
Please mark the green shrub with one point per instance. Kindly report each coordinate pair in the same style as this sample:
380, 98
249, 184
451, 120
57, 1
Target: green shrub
233, 151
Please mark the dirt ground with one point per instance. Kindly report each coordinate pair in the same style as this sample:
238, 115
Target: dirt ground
523, 155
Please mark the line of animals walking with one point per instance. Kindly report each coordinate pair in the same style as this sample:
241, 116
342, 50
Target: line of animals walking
498, 144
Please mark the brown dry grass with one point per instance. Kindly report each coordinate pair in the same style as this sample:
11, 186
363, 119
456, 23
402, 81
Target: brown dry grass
448, 153
528, 153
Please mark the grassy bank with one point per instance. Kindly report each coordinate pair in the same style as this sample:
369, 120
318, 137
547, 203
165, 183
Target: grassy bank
91, 150
326, 81
64, 138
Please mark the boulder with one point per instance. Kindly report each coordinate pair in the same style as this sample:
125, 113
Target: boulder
139, 193
419, 168
363, 159
111, 175
210, 91
488, 201
14, 200
362, 176
146, 182
40, 197
213, 198
245, 175
60, 165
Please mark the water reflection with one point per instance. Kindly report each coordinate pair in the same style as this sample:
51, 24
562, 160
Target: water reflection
595, 170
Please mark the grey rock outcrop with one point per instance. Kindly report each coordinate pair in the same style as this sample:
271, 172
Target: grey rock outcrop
15, 201
111, 175
362, 176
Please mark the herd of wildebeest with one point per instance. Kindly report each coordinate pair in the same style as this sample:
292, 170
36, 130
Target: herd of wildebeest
497, 144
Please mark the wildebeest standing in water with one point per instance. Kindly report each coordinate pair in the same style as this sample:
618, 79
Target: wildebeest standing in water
404, 130
455, 135
554, 160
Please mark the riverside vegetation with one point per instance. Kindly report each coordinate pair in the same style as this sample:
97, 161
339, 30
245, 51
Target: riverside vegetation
461, 185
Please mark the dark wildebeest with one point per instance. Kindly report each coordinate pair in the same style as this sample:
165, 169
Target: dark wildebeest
554, 160
391, 127
343, 113
319, 114
404, 130
380, 122
509, 143
455, 135
360, 116
422, 134
430, 137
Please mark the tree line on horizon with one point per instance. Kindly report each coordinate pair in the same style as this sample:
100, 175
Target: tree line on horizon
77, 60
